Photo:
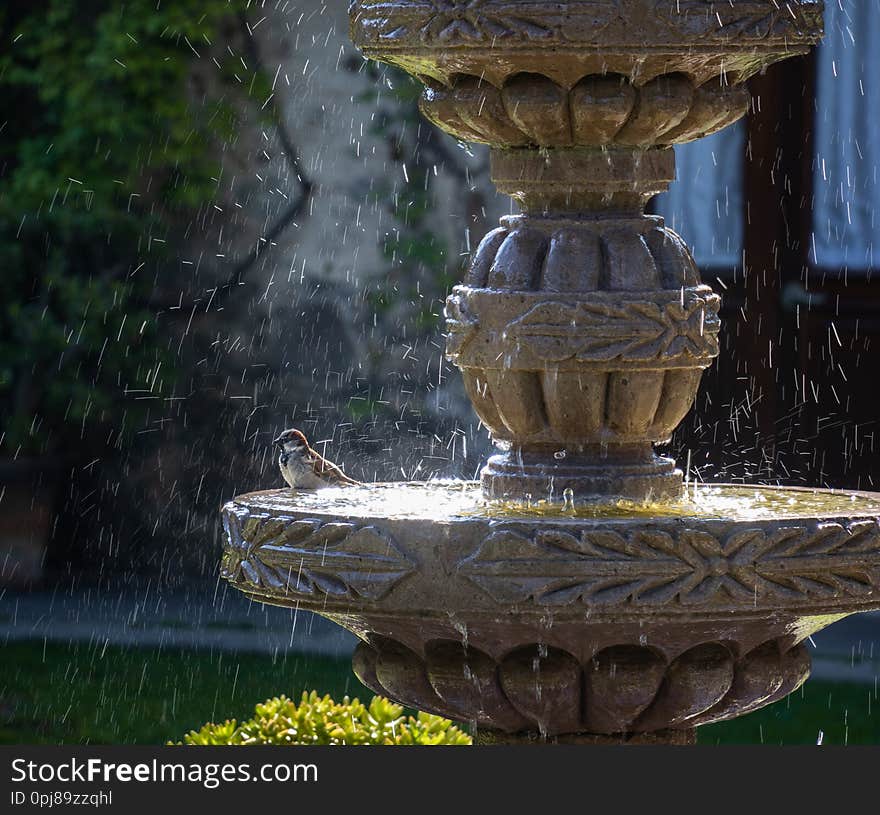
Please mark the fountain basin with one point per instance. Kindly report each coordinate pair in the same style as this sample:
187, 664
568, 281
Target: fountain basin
601, 619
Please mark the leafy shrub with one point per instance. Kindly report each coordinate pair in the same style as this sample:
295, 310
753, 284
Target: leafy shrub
105, 153
317, 720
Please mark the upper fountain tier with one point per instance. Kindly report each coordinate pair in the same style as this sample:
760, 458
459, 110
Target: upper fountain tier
496, 39
551, 61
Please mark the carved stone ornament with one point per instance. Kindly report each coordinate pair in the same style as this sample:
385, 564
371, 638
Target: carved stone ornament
777, 559
659, 330
309, 558
599, 111
788, 565
603, 23
621, 691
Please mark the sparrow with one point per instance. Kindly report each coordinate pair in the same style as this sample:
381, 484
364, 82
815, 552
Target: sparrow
306, 469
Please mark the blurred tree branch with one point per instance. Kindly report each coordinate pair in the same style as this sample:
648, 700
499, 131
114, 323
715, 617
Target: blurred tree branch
288, 217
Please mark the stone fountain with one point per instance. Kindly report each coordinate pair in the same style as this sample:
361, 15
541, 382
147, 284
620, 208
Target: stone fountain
581, 592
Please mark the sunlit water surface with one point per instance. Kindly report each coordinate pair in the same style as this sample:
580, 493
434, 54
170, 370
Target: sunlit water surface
447, 500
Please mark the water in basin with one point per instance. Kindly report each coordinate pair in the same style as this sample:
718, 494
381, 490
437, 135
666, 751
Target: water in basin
459, 500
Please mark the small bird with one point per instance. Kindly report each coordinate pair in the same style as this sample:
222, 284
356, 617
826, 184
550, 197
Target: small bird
306, 469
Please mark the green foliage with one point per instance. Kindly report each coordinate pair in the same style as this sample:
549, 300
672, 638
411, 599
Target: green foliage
317, 720
123, 694
128, 695
103, 151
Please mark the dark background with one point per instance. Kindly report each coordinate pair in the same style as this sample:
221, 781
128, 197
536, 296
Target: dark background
799, 419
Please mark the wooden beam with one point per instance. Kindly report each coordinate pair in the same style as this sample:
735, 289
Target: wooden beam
777, 227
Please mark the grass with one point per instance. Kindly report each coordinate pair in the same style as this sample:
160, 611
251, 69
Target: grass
845, 713
92, 693
87, 693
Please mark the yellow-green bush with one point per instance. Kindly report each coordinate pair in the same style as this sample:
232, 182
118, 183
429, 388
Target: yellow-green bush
317, 720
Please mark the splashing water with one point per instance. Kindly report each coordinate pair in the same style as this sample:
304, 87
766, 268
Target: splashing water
460, 500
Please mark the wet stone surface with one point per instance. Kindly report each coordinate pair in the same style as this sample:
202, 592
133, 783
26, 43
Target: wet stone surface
450, 500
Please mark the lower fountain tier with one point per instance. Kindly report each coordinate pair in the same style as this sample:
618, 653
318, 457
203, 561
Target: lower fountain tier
606, 620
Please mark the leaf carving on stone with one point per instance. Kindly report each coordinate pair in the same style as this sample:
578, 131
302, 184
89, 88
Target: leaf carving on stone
688, 567
555, 331
457, 21
310, 557
480, 22
755, 19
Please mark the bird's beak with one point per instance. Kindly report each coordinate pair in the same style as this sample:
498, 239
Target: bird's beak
279, 441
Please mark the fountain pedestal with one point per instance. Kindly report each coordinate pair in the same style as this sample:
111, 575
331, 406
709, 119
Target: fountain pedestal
582, 328
581, 331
